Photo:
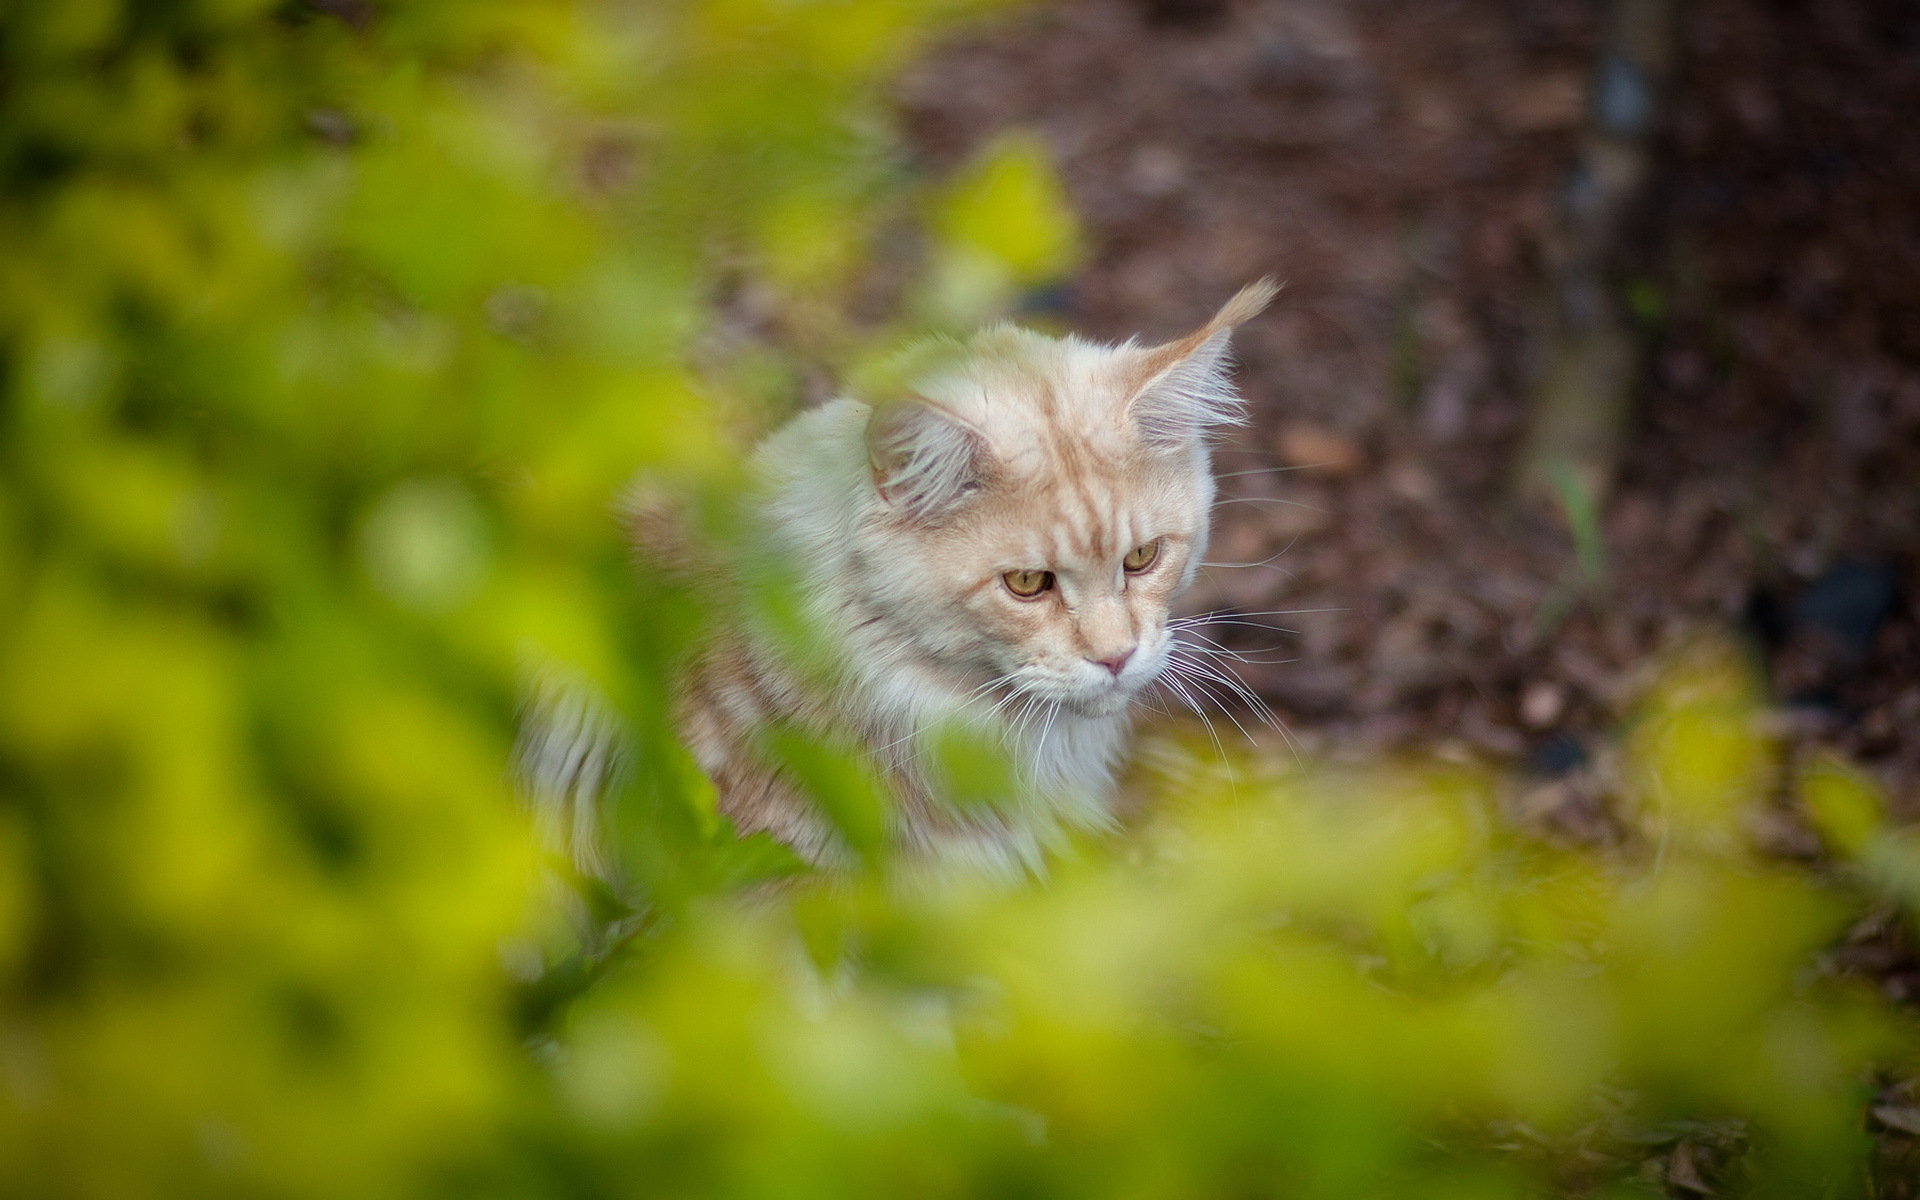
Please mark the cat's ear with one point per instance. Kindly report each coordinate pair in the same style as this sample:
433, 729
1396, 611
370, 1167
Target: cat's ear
925, 460
1182, 388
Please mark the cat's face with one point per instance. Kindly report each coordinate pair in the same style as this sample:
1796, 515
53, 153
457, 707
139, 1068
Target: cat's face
1044, 504
1065, 578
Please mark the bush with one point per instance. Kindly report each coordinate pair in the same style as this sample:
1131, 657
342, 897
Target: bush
327, 334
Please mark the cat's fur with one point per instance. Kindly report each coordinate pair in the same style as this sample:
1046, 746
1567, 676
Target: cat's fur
1019, 452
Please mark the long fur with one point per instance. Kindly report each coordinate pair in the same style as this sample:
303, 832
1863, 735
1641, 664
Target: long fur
1021, 453
1188, 392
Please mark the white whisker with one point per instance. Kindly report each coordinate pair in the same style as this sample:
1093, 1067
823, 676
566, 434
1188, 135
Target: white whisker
1220, 650
1040, 743
1205, 685
1263, 562
1261, 626
1241, 656
1195, 663
1266, 470
1272, 500
1235, 612
1174, 683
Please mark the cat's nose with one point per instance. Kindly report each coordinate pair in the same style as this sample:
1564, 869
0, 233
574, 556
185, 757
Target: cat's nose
1116, 663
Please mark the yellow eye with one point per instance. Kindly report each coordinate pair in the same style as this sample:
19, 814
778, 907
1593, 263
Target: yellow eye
1027, 584
1141, 557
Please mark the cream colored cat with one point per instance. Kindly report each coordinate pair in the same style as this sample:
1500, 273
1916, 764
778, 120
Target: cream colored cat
1000, 550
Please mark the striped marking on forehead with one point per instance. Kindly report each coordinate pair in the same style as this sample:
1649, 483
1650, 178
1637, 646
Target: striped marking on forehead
1073, 488
1072, 483
1081, 520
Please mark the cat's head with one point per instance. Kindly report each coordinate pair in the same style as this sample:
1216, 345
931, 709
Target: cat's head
1043, 501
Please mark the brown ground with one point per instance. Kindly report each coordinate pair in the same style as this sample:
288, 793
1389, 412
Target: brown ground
1399, 165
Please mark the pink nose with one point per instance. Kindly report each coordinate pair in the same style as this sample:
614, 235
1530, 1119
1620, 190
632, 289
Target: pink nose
1117, 663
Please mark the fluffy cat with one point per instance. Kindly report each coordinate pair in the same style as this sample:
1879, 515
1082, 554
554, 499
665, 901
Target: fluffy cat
998, 549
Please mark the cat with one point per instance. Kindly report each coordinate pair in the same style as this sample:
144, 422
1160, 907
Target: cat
999, 549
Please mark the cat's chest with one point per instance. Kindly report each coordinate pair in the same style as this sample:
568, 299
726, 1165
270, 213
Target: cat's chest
1052, 751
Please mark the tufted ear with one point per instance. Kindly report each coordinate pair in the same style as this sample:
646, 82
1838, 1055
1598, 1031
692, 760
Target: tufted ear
925, 460
1183, 389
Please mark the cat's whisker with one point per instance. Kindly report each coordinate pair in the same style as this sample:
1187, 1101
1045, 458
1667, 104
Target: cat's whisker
1193, 662
1266, 470
1179, 658
1225, 651
1237, 687
995, 718
1193, 629
990, 716
1014, 725
1290, 574
1235, 612
1259, 707
1152, 700
920, 729
1238, 656
1029, 712
1267, 718
1201, 685
1174, 684
1198, 672
1225, 711
1172, 680
1270, 719
1272, 500
908, 736
1224, 622
999, 707
1265, 649
982, 688
1212, 646
967, 713
1263, 562
1038, 720
1040, 743
1241, 656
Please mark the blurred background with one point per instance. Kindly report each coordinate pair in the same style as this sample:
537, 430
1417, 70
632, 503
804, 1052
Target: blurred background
1573, 544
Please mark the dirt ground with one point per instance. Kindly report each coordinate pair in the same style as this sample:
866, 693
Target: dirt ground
1401, 166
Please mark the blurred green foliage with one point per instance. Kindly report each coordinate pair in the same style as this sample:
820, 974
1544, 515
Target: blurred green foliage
328, 334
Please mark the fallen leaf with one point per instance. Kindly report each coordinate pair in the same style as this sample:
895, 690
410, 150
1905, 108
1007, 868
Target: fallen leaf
1303, 445
1554, 101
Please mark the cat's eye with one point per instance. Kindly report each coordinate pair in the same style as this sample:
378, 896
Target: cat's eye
1141, 557
1027, 584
